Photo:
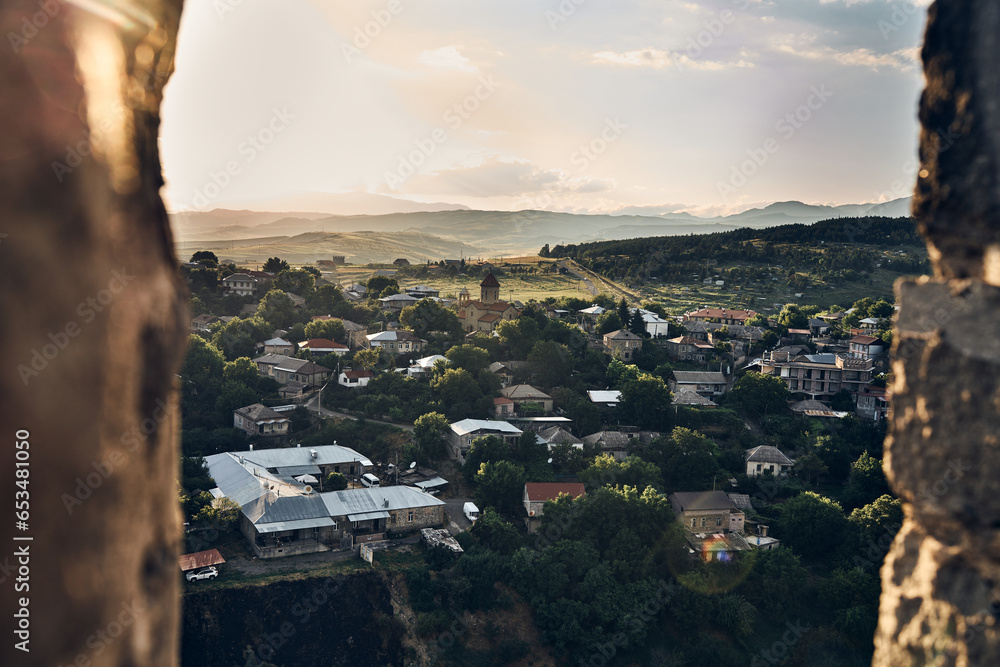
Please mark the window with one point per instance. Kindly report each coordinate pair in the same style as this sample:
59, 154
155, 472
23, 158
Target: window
718, 521
692, 523
409, 516
703, 522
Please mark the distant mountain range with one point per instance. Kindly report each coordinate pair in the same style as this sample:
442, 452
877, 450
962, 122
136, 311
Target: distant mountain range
434, 234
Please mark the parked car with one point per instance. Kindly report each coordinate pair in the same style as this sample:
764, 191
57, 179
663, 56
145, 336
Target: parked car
203, 573
471, 511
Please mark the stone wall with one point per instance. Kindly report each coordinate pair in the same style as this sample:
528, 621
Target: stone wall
940, 597
93, 327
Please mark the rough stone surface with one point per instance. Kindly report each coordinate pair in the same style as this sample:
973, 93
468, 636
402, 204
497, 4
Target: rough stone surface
940, 597
92, 324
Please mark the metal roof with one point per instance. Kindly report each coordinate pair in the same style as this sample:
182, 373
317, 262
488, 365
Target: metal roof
467, 426
200, 559
767, 454
361, 501
699, 377
279, 526
431, 483
684, 501
287, 457
604, 396
295, 471
368, 516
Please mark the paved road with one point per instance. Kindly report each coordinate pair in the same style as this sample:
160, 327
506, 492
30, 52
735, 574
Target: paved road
458, 521
313, 405
576, 274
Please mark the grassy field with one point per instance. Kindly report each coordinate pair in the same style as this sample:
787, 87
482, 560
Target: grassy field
518, 287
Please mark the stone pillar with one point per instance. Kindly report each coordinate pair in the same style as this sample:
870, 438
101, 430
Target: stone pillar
92, 324
940, 596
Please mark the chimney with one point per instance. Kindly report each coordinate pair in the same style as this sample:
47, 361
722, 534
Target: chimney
313, 453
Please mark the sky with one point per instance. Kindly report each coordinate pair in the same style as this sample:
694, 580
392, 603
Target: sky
589, 106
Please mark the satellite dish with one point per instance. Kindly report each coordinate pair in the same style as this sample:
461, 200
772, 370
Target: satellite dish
413, 465
550, 460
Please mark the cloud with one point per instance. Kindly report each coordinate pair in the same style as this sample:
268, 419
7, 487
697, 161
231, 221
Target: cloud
447, 57
902, 60
492, 176
658, 59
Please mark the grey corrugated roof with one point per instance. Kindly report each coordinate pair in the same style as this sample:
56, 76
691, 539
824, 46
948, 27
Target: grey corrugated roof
234, 481
295, 471
607, 439
368, 516
278, 526
293, 508
822, 358
467, 426
767, 454
300, 456
360, 501
683, 397
700, 500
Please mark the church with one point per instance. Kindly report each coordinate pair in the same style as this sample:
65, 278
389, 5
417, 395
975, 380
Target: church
485, 313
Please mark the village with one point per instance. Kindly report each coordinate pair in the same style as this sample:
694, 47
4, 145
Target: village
505, 406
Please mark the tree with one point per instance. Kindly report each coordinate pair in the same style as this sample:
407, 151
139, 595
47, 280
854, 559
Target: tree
221, 513
203, 361
367, 359
812, 525
633, 471
275, 265
238, 337
608, 321
519, 335
758, 395
324, 299
644, 401
457, 389
636, 324
500, 485
295, 281
866, 481
207, 255
624, 314
378, 284
241, 370
550, 362
874, 527
468, 357
330, 329
809, 467
495, 532
233, 396
881, 309
335, 481
428, 431
544, 252
428, 315
688, 460
791, 317
487, 449
277, 309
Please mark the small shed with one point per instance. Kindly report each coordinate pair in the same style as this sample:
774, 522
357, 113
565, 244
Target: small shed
200, 559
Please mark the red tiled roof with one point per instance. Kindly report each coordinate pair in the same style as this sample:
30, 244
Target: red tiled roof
354, 375
723, 313
322, 343
540, 491
490, 281
489, 317
864, 340
502, 401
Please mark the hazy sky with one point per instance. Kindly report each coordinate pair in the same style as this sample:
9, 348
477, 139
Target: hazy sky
580, 105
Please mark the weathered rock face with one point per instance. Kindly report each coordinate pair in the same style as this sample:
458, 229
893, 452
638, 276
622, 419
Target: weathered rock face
940, 600
92, 324
345, 620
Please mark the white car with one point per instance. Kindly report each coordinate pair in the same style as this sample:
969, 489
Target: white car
204, 573
471, 511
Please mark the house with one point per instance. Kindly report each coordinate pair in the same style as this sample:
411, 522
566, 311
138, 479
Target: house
200, 559
257, 419
766, 458
355, 379
706, 383
356, 334
462, 433
613, 443
707, 511
692, 399
503, 407
301, 370
813, 408
656, 326
268, 362
817, 376
397, 302
279, 346
281, 514
422, 367
689, 348
522, 394
622, 344
316, 346
818, 326
589, 316
865, 347
504, 371
557, 435
203, 323
604, 398
536, 494
720, 315
293, 390
396, 342
402, 261
873, 403
485, 313
297, 301
423, 292
355, 292
240, 284
709, 546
